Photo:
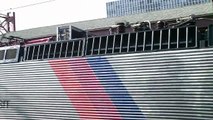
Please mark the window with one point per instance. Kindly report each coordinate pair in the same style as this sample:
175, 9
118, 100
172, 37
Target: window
69, 49
96, 45
30, 52
76, 48
148, 40
165, 37
89, 46
192, 37
124, 43
52, 50
173, 38
110, 44
2, 54
64, 49
117, 43
103, 45
26, 53
35, 52
57, 50
182, 37
156, 40
132, 42
11, 54
140, 41
46, 51
41, 50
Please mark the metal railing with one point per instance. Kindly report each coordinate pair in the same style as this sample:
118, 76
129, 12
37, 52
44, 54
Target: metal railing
53, 50
175, 38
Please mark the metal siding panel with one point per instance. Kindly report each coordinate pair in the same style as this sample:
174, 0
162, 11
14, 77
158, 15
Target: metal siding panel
170, 84
34, 92
154, 85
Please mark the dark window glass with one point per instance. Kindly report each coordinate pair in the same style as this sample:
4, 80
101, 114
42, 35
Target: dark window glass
41, 52
148, 40
35, 55
80, 48
110, 44
26, 53
46, 51
69, 49
117, 43
173, 38
165, 34
52, 50
103, 45
63, 49
132, 42
124, 43
191, 36
2, 54
96, 45
182, 37
89, 46
76, 46
30, 53
11, 54
140, 41
57, 51
156, 42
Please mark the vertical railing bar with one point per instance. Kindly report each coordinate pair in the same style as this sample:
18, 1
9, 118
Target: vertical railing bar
144, 41
169, 38
106, 45
39, 46
99, 46
48, 55
128, 44
28, 52
196, 40
25, 52
136, 42
113, 45
33, 52
178, 38
187, 37
121, 42
152, 42
43, 52
4, 55
160, 46
66, 49
60, 49
93, 43
79, 46
54, 50
84, 46
73, 45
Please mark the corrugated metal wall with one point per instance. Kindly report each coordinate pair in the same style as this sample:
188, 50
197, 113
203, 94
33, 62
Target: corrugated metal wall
154, 85
171, 84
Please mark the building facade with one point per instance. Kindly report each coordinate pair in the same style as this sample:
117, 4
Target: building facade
127, 7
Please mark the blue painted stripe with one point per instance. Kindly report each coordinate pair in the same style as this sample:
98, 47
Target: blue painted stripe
122, 99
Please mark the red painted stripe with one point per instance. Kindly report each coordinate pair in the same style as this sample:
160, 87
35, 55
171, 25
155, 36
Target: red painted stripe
84, 90
70, 82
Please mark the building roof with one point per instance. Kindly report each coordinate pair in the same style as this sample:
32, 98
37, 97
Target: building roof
202, 9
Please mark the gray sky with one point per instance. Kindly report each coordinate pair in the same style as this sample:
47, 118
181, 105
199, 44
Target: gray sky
53, 12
